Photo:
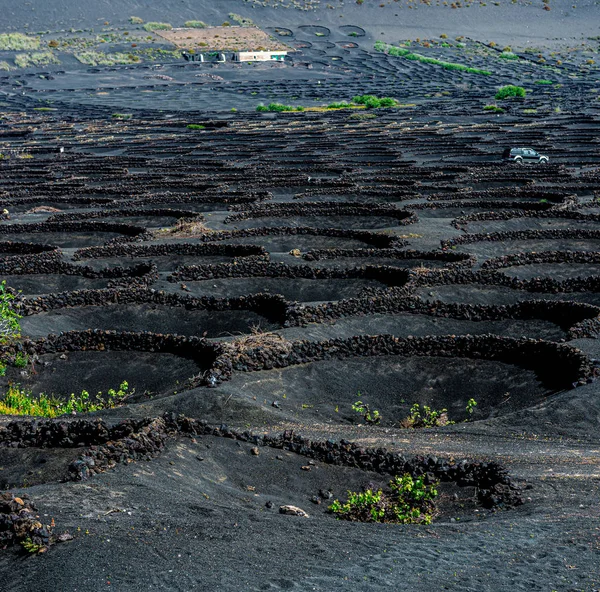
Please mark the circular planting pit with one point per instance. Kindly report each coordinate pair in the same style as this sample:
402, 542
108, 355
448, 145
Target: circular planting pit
68, 234
93, 371
321, 222
43, 283
325, 390
145, 317
294, 289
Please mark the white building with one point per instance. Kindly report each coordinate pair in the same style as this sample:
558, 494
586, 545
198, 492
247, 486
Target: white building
260, 56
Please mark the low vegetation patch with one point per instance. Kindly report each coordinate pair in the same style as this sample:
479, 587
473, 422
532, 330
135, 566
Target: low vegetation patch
278, 108
9, 319
99, 58
408, 501
136, 20
493, 109
195, 126
241, 20
121, 115
409, 55
508, 55
38, 58
17, 401
18, 42
195, 25
153, 26
510, 90
543, 81
373, 102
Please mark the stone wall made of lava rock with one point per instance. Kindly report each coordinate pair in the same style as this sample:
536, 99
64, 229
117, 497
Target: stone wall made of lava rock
518, 259
452, 259
377, 239
20, 523
271, 306
195, 348
391, 276
278, 210
514, 235
525, 213
144, 439
559, 365
28, 257
160, 250
578, 319
544, 285
128, 230
127, 212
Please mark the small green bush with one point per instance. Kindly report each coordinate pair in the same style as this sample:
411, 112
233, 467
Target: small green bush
9, 318
510, 90
409, 501
544, 81
121, 115
371, 417
21, 360
493, 108
195, 126
157, 26
136, 20
195, 25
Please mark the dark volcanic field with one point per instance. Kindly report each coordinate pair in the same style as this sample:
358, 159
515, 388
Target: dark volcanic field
263, 273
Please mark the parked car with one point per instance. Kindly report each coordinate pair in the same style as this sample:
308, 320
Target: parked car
523, 155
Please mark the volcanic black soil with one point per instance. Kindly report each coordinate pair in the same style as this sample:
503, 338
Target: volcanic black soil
253, 275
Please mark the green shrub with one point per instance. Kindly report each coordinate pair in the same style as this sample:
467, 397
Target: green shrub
278, 108
508, 55
4, 66
510, 90
21, 360
17, 401
121, 115
157, 26
341, 105
425, 417
9, 318
371, 417
543, 81
373, 102
18, 42
195, 25
493, 108
136, 20
409, 501
195, 126
241, 20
